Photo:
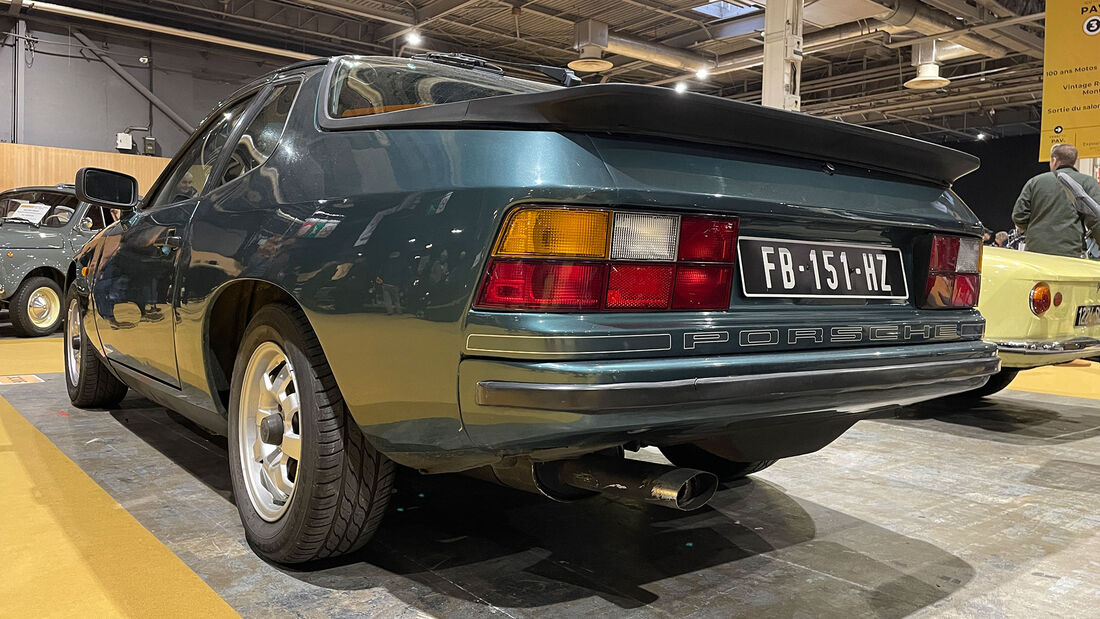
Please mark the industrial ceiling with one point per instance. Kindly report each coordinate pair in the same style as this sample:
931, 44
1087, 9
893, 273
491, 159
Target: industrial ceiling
982, 76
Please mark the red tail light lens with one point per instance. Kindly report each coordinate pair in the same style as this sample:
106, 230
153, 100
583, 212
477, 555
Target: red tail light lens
702, 287
707, 239
639, 286
954, 272
945, 253
966, 290
540, 284
623, 261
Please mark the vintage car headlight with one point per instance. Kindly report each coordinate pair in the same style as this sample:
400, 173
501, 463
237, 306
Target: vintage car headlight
1040, 299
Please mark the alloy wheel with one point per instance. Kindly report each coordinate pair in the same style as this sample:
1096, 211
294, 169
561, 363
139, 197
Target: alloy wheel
72, 342
269, 430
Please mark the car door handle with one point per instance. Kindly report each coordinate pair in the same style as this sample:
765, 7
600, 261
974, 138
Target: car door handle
170, 240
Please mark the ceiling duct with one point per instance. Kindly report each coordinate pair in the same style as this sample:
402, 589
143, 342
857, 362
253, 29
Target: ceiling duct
927, 57
591, 60
591, 34
928, 68
896, 16
914, 15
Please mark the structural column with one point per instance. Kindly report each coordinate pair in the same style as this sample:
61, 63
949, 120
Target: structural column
782, 54
19, 73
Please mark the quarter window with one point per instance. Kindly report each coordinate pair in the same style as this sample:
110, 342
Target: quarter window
95, 215
262, 135
189, 176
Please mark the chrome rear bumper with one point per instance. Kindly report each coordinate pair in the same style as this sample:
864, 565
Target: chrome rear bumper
1086, 345
582, 398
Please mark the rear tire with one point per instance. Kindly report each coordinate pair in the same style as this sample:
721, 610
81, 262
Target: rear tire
997, 382
327, 501
88, 380
691, 456
35, 308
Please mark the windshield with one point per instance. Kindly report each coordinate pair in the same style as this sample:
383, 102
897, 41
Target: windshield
48, 209
363, 85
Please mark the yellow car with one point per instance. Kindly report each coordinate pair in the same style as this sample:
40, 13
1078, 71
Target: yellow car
1039, 310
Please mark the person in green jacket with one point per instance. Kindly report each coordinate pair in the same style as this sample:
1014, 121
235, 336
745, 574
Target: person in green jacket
1045, 211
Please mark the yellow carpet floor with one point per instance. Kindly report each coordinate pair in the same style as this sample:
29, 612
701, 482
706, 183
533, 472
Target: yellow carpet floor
1077, 380
31, 356
69, 550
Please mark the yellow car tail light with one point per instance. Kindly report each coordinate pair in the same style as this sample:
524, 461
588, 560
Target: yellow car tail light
1040, 299
555, 233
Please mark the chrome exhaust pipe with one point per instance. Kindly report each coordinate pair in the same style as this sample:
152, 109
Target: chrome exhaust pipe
634, 480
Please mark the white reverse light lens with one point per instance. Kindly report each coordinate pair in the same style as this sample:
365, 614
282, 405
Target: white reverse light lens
969, 251
645, 237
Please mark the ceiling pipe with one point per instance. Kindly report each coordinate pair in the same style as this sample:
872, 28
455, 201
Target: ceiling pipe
897, 15
914, 15
56, 9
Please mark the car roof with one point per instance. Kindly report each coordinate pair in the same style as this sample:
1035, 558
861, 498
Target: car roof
67, 188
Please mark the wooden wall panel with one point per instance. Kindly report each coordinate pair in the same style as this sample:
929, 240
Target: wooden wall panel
24, 164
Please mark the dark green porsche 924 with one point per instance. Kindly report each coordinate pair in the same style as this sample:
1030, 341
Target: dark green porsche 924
366, 261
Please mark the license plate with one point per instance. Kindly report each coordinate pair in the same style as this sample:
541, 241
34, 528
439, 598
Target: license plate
803, 269
1088, 315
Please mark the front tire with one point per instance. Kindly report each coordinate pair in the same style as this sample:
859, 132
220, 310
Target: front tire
306, 482
692, 456
35, 308
88, 380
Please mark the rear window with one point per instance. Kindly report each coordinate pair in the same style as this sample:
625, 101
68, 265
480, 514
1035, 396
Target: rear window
364, 86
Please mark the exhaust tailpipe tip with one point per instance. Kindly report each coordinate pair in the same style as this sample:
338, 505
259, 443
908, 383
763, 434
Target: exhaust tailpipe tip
636, 481
683, 489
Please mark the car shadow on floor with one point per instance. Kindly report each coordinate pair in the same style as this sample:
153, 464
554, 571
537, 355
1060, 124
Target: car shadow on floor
472, 544
1015, 419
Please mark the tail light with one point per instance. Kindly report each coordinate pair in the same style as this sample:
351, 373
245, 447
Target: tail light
569, 259
1040, 299
954, 272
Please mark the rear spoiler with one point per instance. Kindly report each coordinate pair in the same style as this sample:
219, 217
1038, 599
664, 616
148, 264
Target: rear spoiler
630, 109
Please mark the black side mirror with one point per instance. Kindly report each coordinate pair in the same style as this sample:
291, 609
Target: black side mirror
107, 189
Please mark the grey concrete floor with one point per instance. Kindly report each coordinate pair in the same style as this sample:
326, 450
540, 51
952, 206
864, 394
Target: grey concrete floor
988, 512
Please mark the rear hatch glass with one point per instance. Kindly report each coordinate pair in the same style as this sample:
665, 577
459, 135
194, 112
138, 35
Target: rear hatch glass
364, 86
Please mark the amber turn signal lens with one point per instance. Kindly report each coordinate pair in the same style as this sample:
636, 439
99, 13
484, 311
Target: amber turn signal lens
1040, 299
555, 233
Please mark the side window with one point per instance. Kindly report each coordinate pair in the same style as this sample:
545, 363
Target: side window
95, 214
262, 135
192, 169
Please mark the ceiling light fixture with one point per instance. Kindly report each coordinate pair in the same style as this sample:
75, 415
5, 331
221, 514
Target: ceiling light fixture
983, 135
702, 74
591, 60
414, 38
681, 87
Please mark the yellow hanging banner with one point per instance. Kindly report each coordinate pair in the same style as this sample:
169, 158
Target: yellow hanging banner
1071, 77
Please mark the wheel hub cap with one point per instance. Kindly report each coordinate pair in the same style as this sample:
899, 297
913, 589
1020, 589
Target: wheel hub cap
269, 430
43, 307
